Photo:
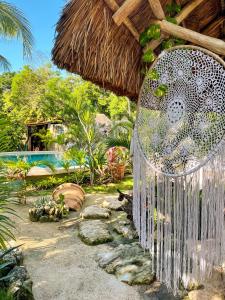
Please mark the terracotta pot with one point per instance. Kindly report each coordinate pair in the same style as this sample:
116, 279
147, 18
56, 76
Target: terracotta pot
74, 195
117, 171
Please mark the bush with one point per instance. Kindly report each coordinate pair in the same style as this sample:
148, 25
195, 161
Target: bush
5, 295
50, 182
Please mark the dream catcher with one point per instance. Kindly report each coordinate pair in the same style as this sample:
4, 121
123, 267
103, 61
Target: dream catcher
179, 165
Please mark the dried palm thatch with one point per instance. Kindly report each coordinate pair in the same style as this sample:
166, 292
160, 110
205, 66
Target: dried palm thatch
89, 43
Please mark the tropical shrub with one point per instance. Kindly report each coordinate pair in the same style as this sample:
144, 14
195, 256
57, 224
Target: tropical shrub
48, 210
6, 224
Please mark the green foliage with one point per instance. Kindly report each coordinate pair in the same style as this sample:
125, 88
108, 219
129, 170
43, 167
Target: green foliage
46, 183
173, 8
153, 32
13, 24
111, 188
66, 164
169, 43
10, 134
144, 39
118, 142
6, 224
5, 295
153, 75
171, 20
36, 95
58, 206
161, 90
122, 132
148, 56
4, 63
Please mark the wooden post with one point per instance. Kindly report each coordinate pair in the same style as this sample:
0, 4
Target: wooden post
213, 44
114, 7
125, 10
180, 18
157, 9
187, 10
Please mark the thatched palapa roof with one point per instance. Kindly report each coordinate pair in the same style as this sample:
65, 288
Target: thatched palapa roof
91, 42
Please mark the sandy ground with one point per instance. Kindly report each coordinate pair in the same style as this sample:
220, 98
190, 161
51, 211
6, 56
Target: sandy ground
62, 267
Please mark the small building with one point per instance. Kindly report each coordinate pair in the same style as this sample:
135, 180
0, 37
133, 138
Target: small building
35, 141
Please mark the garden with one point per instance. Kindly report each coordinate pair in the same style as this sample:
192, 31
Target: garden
112, 158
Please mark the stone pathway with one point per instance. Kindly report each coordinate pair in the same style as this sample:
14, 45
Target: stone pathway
62, 267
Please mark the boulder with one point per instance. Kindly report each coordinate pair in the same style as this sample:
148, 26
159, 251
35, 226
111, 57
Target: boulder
125, 229
21, 290
95, 212
94, 232
17, 273
129, 263
114, 204
15, 256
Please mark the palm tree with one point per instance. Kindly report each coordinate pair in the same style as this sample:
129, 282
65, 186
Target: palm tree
122, 132
13, 24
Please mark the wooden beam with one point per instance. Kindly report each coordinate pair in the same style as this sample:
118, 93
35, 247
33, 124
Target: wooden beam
157, 9
213, 27
125, 10
187, 10
213, 44
180, 18
112, 4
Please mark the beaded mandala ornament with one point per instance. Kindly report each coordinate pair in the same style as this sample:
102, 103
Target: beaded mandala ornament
179, 166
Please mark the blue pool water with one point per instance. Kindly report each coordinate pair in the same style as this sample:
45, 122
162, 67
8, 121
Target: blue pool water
55, 158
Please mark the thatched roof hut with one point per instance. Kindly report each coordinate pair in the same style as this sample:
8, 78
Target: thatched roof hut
90, 42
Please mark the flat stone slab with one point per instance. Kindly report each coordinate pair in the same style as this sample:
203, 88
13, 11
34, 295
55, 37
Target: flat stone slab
129, 263
125, 229
94, 232
114, 204
95, 212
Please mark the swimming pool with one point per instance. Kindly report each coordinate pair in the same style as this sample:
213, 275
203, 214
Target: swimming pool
53, 157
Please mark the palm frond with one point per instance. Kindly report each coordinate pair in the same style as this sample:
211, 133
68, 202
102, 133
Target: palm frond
118, 142
13, 24
6, 224
4, 64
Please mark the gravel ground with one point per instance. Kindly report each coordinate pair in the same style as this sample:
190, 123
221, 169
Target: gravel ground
62, 267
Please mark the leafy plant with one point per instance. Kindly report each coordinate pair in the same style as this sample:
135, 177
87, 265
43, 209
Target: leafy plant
66, 164
171, 20
5, 295
173, 8
18, 170
153, 32
46, 137
161, 90
148, 56
152, 75
13, 24
61, 206
6, 224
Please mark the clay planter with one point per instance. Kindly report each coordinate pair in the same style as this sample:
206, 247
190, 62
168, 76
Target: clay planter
74, 195
117, 171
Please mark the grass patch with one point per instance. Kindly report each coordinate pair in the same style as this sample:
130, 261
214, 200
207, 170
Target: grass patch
111, 188
39, 193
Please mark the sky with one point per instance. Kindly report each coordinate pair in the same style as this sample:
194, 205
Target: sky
43, 16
